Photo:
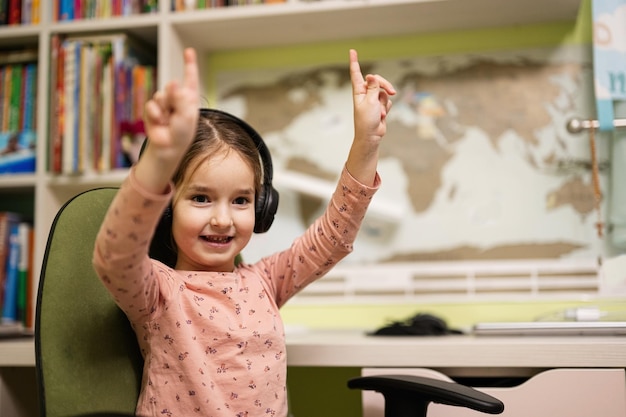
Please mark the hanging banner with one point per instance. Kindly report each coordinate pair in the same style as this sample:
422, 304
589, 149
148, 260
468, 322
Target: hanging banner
609, 57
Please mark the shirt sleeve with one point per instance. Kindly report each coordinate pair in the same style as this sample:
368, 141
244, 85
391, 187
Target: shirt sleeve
121, 248
328, 240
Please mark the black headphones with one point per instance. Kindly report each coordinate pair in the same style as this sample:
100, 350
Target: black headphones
265, 206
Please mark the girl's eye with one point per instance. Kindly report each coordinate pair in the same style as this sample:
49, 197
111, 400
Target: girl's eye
241, 201
200, 199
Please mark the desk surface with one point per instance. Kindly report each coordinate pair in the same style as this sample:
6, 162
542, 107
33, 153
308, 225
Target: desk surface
352, 348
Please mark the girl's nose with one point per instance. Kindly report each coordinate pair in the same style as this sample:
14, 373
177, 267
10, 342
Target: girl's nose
221, 218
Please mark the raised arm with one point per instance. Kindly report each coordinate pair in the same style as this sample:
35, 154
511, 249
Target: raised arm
171, 118
371, 103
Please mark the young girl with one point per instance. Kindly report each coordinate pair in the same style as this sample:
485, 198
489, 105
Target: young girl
210, 331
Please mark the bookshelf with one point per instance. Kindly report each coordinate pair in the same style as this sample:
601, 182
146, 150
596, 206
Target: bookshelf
293, 22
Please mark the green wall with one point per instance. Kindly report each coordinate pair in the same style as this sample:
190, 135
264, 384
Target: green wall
540, 35
316, 392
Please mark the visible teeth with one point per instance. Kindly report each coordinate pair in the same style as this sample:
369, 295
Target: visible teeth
222, 239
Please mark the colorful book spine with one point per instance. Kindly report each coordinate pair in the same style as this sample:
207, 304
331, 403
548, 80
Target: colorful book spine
16, 98
69, 107
31, 286
7, 218
30, 98
36, 12
4, 12
11, 281
3, 71
27, 10
6, 100
23, 267
15, 12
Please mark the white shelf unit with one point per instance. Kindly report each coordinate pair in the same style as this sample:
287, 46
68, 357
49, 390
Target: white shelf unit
243, 27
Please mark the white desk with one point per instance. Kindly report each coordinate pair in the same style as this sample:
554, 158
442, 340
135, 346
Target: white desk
586, 369
455, 353
353, 348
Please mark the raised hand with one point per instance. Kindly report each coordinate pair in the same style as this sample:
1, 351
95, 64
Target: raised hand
171, 115
170, 119
370, 100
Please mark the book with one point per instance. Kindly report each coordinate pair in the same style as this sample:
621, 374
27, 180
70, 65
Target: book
4, 12
15, 12
36, 12
31, 283
7, 220
96, 108
27, 9
11, 280
6, 99
18, 152
3, 71
70, 107
18, 79
104, 157
66, 10
23, 269
85, 101
16, 98
29, 103
54, 162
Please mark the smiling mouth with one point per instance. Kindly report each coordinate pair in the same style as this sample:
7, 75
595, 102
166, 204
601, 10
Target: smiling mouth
217, 239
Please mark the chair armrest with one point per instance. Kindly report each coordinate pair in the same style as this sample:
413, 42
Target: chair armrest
409, 395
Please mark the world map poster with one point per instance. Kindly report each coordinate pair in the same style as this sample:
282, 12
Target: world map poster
477, 163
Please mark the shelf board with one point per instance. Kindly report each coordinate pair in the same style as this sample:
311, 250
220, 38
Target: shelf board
19, 35
143, 26
291, 23
17, 352
18, 182
90, 180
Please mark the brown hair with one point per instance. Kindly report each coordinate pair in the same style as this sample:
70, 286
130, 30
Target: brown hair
217, 133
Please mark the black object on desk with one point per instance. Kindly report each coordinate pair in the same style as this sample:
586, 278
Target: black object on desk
422, 324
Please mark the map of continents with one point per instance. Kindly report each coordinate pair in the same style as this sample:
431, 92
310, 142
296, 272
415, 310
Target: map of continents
477, 156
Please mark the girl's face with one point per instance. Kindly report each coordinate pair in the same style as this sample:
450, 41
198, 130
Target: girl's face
213, 213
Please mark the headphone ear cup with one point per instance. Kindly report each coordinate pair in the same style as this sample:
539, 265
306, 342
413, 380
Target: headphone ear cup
265, 209
162, 244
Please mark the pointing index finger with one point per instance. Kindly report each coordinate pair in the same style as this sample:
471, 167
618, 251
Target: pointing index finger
191, 69
355, 70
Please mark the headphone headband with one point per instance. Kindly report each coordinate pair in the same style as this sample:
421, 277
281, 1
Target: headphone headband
266, 157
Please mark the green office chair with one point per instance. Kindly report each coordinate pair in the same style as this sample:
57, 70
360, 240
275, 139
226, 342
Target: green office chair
87, 358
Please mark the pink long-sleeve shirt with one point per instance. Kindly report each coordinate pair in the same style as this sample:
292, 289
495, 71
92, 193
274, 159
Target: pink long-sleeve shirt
213, 342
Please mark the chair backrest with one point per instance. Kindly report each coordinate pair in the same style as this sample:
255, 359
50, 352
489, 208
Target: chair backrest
87, 356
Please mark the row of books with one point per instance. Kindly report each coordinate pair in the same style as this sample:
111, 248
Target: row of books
99, 85
23, 12
64, 10
182, 5
17, 290
19, 12
18, 103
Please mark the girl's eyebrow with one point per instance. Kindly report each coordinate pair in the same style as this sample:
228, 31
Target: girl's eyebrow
197, 188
